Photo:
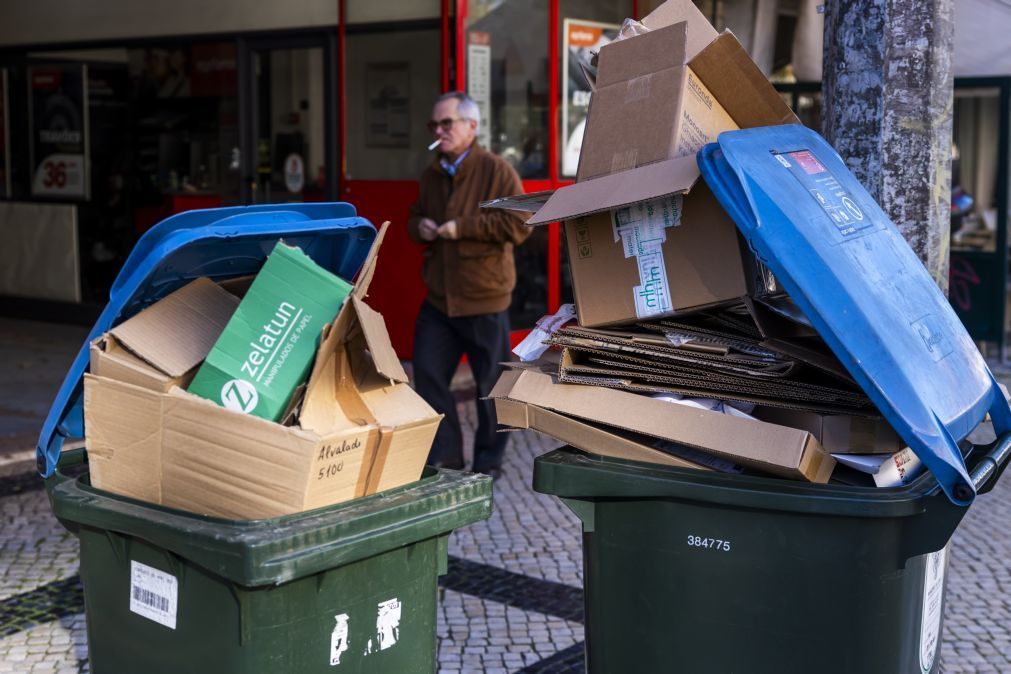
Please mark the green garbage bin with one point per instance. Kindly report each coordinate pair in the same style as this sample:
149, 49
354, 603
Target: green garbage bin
704, 573
348, 588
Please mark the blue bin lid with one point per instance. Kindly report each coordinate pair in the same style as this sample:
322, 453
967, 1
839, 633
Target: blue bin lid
218, 243
863, 288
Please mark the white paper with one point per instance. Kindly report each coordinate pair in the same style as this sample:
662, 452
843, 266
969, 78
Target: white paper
533, 347
154, 594
733, 409
888, 470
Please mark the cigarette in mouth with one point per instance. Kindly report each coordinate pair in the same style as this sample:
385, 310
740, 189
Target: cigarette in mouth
434, 143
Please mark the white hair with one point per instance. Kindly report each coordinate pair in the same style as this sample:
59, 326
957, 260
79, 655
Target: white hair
466, 107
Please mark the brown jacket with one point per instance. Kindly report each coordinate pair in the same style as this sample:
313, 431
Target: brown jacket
475, 273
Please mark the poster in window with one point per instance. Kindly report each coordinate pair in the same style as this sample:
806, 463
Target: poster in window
581, 40
58, 114
5, 151
388, 95
479, 80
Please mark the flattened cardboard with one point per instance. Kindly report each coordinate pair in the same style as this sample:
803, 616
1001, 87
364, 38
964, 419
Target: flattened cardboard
839, 434
176, 334
361, 429
584, 435
767, 447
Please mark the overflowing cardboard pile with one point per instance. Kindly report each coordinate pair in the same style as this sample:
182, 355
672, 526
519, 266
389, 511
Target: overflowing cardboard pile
354, 428
686, 351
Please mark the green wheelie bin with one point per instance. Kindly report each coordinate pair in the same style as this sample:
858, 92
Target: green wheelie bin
701, 572
346, 588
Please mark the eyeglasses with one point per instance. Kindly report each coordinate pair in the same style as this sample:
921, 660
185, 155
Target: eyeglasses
446, 124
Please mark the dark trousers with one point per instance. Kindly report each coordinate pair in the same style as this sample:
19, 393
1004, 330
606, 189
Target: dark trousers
439, 342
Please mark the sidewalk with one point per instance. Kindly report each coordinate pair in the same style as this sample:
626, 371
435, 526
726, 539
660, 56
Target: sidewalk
512, 600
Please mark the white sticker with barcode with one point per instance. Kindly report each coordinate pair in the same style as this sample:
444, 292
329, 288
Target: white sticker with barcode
154, 594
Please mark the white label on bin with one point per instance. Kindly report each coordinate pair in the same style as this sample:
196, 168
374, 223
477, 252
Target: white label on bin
338, 639
387, 626
154, 594
933, 603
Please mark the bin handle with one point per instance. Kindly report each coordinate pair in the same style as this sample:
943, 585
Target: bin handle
989, 468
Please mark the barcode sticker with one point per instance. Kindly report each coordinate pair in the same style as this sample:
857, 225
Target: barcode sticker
153, 594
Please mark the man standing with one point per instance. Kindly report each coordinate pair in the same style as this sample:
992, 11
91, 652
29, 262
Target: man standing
470, 274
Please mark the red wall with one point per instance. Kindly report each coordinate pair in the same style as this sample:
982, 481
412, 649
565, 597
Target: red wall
397, 290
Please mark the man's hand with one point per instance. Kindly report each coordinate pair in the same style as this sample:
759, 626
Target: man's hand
447, 230
428, 230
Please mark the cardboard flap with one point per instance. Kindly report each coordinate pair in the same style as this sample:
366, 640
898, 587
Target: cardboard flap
641, 55
619, 189
700, 31
176, 334
378, 339
524, 203
589, 75
737, 82
369, 266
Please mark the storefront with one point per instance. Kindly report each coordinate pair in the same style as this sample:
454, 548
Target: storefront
115, 120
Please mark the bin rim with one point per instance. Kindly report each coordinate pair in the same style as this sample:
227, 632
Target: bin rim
570, 473
219, 243
276, 550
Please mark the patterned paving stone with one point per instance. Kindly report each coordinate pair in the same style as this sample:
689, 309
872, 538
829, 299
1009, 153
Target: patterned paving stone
512, 600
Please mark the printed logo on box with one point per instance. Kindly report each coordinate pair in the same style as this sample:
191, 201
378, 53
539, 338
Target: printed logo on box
239, 395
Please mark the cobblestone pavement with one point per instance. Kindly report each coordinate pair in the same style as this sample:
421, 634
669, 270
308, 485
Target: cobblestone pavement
512, 600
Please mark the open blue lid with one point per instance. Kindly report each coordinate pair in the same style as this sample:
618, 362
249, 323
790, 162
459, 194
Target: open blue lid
218, 243
866, 292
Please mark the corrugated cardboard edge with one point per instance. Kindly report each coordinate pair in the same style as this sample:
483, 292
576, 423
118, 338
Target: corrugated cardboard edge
384, 358
361, 288
684, 425
583, 435
671, 176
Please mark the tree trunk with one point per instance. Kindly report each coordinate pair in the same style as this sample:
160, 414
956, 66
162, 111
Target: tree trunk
888, 90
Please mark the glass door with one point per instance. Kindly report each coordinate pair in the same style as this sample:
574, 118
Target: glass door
289, 149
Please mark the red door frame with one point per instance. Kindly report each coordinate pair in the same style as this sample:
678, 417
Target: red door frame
395, 293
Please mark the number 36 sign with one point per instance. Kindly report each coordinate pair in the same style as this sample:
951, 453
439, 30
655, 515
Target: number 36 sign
59, 137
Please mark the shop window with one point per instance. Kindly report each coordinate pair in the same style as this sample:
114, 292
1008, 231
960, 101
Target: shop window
507, 74
586, 26
974, 170
388, 97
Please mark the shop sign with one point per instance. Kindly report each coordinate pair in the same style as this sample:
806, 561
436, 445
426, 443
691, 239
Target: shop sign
58, 114
479, 80
294, 173
388, 94
582, 39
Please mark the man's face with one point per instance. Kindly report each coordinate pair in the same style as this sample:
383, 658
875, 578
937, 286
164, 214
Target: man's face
461, 132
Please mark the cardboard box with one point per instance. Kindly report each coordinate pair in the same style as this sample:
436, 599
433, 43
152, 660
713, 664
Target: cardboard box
648, 105
265, 351
649, 272
839, 433
778, 450
361, 429
150, 351
631, 151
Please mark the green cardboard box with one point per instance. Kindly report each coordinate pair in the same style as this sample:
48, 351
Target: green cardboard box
268, 346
